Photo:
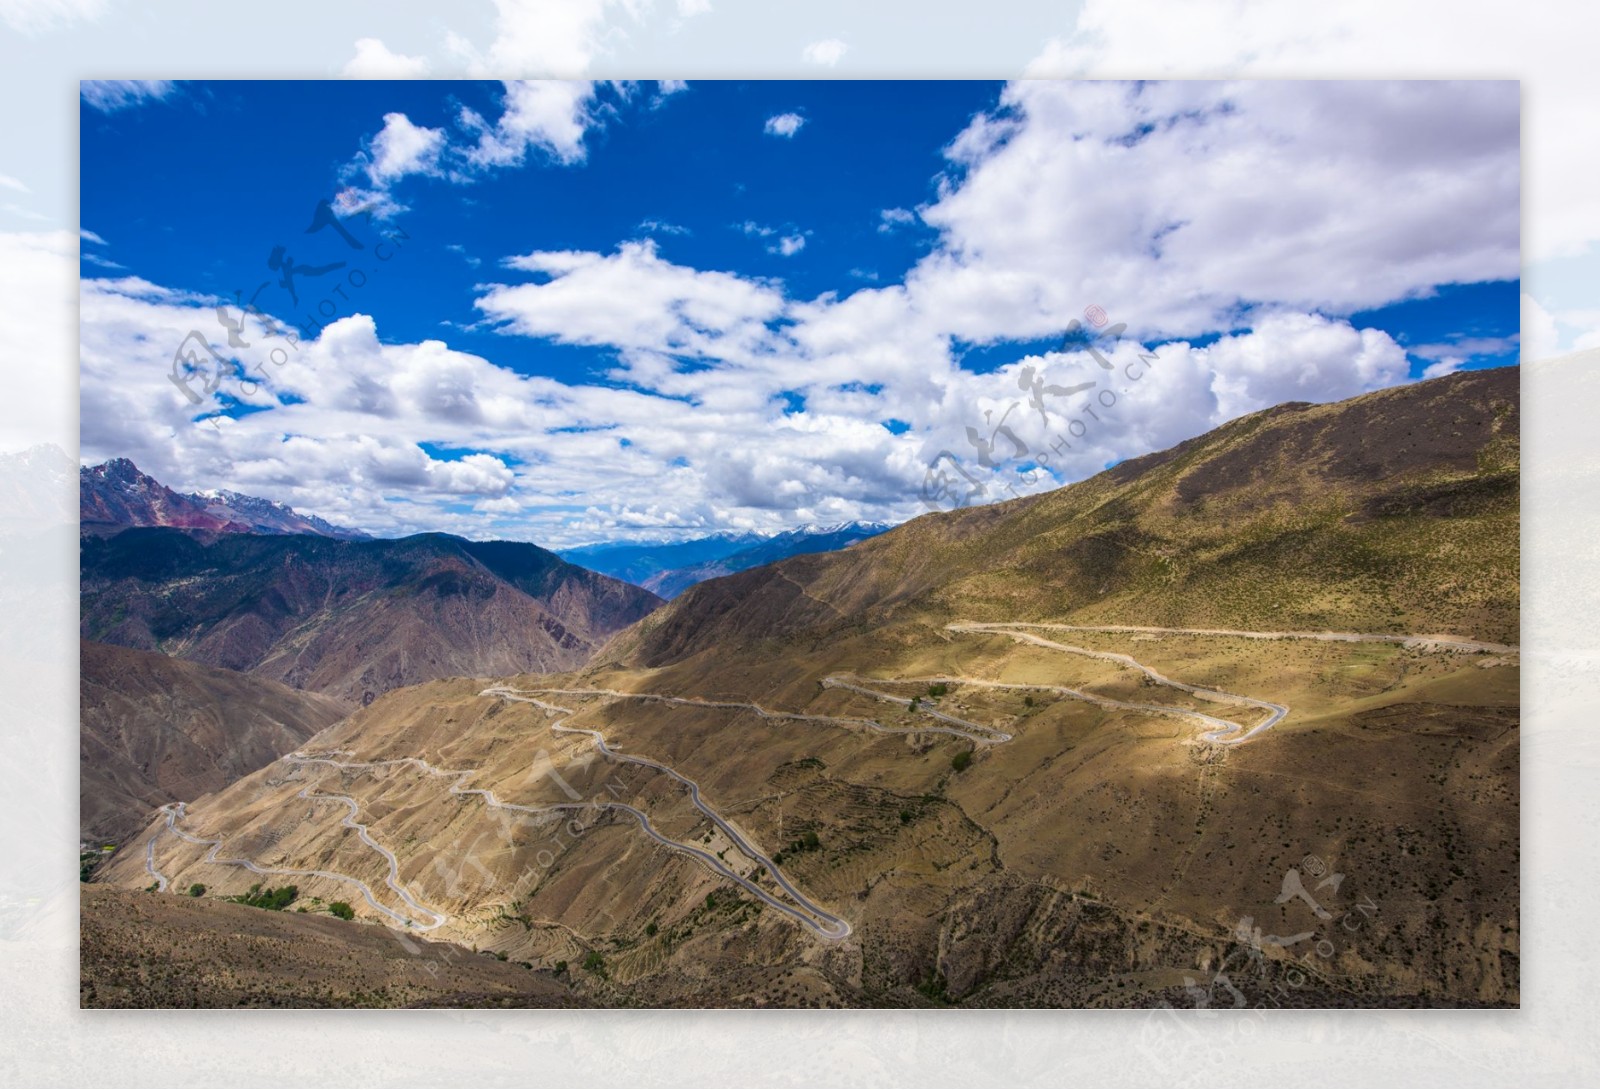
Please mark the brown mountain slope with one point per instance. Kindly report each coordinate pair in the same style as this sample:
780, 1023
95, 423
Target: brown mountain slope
350, 619
1393, 511
1002, 815
145, 951
155, 730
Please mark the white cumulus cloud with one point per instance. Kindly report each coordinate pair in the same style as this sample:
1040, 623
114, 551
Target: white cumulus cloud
402, 147
551, 116
1233, 228
785, 125
634, 299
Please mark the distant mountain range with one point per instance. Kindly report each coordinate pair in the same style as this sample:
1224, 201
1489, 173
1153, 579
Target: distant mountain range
116, 494
349, 619
637, 561
671, 568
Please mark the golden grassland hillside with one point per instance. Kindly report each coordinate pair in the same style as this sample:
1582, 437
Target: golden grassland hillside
1002, 812
1394, 511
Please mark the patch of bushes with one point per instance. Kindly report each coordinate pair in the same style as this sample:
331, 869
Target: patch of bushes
961, 760
810, 842
274, 900
342, 910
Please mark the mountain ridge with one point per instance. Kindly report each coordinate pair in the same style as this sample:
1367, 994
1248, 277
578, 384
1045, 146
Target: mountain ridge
809, 538
117, 494
1131, 533
350, 619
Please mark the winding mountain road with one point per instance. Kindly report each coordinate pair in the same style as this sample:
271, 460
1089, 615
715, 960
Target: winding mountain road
173, 811
823, 923
813, 916
1427, 643
803, 910
976, 732
1222, 727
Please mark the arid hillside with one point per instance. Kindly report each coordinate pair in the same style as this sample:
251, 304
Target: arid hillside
1394, 511
145, 951
1231, 721
154, 729
349, 619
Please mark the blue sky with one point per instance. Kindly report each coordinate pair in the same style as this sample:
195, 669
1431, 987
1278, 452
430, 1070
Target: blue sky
657, 310
194, 191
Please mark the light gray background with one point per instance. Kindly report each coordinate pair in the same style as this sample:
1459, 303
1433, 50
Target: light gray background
47, 45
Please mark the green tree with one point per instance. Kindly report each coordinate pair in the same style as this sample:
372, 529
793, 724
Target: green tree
342, 910
197, 890
594, 963
961, 760
274, 899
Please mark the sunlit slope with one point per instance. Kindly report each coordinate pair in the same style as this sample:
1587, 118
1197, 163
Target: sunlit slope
1002, 808
1392, 512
